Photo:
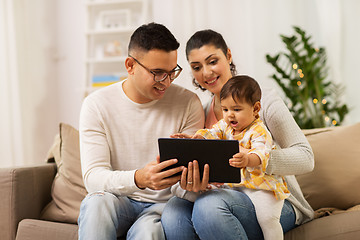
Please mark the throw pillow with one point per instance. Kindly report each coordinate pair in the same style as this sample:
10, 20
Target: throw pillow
335, 178
68, 188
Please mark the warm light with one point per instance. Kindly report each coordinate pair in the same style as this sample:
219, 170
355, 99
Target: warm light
322, 112
315, 101
299, 71
298, 83
316, 50
327, 118
295, 66
334, 122
323, 101
301, 75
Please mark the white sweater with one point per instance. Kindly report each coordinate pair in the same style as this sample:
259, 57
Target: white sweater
118, 136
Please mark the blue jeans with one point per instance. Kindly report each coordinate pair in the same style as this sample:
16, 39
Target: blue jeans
106, 216
217, 214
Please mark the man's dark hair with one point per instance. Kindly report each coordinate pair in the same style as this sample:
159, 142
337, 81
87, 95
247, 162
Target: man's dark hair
241, 88
153, 36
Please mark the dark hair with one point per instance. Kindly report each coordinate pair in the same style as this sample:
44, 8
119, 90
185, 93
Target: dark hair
153, 36
207, 37
241, 88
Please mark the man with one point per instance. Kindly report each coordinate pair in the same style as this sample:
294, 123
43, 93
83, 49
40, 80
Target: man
119, 128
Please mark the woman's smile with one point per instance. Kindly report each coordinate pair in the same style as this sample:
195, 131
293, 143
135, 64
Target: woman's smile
212, 81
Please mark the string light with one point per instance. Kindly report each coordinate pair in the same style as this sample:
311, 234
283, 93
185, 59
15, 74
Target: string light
327, 119
295, 66
301, 75
315, 101
298, 83
323, 101
334, 122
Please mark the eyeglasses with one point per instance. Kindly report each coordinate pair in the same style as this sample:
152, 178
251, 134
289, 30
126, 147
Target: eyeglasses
161, 75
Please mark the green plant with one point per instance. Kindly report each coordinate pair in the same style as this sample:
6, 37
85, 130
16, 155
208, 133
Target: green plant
302, 74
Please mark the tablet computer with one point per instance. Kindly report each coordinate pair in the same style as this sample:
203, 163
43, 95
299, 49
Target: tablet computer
216, 153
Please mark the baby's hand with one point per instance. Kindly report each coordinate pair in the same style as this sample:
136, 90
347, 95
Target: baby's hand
239, 160
181, 135
197, 136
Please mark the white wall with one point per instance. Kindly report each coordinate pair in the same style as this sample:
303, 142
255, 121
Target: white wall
252, 29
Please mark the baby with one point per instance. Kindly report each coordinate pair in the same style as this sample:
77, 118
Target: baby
240, 102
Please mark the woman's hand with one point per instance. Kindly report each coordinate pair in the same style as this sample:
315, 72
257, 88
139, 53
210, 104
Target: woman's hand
190, 177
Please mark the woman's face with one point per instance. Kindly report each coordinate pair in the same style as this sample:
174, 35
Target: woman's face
210, 67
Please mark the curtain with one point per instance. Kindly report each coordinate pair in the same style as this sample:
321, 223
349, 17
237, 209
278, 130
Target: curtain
11, 142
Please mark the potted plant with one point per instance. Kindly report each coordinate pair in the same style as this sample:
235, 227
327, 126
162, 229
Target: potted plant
302, 74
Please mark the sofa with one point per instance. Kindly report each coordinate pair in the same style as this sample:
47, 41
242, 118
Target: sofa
42, 201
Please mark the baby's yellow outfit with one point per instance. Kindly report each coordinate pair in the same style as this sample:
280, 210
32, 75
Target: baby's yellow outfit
258, 139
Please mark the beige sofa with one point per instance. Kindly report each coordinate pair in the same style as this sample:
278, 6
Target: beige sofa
42, 202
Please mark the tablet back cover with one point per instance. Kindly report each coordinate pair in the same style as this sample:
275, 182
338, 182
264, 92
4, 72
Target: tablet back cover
214, 152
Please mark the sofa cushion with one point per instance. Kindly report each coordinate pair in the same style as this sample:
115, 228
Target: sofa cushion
334, 180
335, 227
68, 188
41, 230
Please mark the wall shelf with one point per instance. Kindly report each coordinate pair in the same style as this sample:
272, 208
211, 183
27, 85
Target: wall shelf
110, 24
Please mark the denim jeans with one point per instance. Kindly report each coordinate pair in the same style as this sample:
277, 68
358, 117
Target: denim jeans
106, 216
217, 214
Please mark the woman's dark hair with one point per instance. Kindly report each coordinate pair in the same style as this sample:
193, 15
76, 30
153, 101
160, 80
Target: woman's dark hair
241, 88
153, 36
207, 37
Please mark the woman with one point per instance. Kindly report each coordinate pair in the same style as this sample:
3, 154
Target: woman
225, 213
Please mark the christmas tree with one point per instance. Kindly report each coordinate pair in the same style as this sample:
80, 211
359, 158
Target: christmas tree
302, 74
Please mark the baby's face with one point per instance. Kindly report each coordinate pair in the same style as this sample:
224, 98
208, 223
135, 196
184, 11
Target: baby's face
237, 114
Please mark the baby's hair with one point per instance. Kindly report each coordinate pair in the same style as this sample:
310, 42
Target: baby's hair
240, 88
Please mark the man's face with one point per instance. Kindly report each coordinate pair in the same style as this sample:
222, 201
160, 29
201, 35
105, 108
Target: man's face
142, 88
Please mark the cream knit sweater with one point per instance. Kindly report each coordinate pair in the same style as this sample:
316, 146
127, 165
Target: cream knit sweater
118, 136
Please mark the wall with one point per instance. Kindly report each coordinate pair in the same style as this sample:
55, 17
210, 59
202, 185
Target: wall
252, 29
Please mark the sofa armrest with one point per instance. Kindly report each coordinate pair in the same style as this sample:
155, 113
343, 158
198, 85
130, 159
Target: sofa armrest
24, 192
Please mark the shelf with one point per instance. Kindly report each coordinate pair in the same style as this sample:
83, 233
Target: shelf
109, 26
109, 2
111, 31
106, 60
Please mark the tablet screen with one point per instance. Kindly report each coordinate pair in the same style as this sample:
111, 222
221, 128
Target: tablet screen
216, 153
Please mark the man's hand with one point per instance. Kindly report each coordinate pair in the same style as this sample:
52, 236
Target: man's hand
152, 176
190, 177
